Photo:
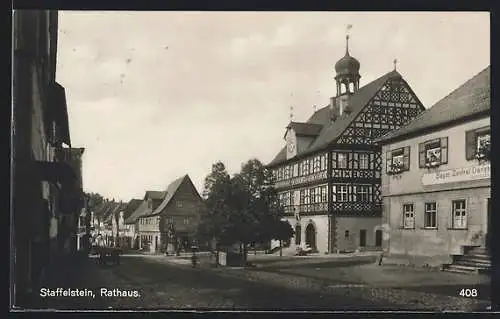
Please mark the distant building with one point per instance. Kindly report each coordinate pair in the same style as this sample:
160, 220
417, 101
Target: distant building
127, 230
172, 225
142, 239
436, 179
329, 173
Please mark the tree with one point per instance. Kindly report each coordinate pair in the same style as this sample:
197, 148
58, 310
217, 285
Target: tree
243, 209
215, 209
93, 200
256, 206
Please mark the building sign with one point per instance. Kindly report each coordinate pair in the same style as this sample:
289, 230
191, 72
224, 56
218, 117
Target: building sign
301, 180
464, 174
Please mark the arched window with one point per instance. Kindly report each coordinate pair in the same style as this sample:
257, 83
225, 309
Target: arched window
346, 234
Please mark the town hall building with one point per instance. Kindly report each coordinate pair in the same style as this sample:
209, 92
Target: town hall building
328, 175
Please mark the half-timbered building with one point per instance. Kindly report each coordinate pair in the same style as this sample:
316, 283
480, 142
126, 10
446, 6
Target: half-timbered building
329, 173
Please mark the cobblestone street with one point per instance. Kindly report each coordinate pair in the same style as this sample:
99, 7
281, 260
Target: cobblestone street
162, 283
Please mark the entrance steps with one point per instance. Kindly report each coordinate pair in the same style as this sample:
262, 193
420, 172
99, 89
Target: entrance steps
474, 260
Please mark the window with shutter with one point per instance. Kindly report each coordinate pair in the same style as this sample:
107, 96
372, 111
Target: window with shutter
470, 145
395, 166
421, 155
388, 161
482, 144
406, 158
444, 150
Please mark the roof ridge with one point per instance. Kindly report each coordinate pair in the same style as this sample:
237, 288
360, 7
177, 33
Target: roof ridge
458, 88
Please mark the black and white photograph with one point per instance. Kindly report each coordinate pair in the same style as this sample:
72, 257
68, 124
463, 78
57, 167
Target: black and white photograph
250, 161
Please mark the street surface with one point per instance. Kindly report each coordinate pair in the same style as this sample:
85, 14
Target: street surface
170, 282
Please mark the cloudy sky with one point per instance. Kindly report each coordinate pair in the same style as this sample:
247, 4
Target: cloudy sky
155, 95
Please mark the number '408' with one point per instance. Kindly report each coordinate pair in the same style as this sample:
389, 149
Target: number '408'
468, 292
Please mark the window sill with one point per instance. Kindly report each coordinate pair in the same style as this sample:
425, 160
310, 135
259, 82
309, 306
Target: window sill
429, 228
406, 228
452, 228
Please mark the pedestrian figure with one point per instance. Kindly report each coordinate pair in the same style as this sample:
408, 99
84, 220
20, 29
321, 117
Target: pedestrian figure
380, 259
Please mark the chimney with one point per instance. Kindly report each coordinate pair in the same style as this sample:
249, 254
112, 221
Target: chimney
333, 112
343, 104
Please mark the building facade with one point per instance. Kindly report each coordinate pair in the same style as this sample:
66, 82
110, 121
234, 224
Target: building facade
329, 173
126, 231
45, 192
172, 225
436, 182
145, 232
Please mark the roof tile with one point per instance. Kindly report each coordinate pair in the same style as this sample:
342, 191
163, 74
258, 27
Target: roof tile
331, 131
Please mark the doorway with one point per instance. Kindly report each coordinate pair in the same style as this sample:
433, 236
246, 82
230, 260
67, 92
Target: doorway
378, 238
311, 236
362, 238
298, 234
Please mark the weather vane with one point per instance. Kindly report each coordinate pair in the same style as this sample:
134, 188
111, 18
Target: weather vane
349, 27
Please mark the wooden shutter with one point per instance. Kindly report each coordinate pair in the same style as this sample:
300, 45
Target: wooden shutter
406, 158
444, 150
421, 155
388, 160
470, 145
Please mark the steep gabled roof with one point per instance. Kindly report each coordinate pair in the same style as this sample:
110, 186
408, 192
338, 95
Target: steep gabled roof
306, 129
141, 210
131, 207
471, 98
331, 131
154, 195
170, 193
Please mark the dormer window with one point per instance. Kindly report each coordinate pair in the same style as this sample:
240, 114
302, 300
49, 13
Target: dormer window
433, 153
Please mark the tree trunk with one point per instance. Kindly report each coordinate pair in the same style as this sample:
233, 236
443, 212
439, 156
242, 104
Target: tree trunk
244, 254
281, 248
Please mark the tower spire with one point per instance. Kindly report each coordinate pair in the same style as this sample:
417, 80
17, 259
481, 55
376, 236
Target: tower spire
395, 64
347, 45
349, 26
291, 113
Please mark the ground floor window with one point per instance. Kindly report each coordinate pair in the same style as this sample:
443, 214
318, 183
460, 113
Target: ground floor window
459, 211
430, 215
408, 216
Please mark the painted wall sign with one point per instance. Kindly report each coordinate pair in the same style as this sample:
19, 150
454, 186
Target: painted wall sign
457, 175
302, 179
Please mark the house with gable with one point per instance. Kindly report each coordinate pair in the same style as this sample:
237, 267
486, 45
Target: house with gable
151, 200
97, 222
436, 182
328, 175
126, 231
172, 225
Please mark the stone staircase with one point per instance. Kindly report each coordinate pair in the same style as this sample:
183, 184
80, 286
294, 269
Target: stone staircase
474, 260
